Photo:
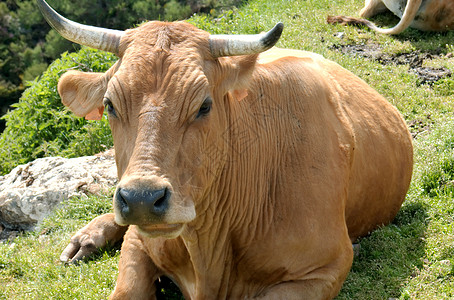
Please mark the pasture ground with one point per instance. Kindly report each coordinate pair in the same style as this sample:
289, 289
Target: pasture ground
412, 258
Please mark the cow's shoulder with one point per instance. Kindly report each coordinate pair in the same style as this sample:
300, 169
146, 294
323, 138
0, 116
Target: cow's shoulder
275, 54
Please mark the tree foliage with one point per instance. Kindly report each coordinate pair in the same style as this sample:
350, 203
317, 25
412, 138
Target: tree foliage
28, 45
40, 126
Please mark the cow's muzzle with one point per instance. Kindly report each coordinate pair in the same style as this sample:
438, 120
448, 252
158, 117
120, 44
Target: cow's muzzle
142, 206
151, 203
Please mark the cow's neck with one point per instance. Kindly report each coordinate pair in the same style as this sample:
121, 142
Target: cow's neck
208, 242
209, 254
243, 190
239, 198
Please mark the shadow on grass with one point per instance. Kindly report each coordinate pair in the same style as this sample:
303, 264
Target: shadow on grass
389, 256
425, 41
108, 250
167, 290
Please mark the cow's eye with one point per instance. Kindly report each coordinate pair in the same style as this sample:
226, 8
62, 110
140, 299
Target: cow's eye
205, 107
109, 106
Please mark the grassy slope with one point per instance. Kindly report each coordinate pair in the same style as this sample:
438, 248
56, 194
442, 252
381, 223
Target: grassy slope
413, 258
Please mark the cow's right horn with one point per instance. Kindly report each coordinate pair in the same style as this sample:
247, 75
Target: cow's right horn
230, 45
94, 37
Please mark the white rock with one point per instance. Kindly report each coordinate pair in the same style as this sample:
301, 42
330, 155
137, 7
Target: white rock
30, 192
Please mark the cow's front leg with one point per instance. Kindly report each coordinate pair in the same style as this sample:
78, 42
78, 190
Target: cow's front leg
137, 272
98, 233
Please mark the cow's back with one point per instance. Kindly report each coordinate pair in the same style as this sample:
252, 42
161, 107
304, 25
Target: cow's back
382, 154
373, 136
382, 160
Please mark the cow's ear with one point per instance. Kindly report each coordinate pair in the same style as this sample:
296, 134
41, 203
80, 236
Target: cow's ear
237, 71
83, 93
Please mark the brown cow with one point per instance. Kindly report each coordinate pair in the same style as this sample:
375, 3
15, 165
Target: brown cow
426, 15
240, 176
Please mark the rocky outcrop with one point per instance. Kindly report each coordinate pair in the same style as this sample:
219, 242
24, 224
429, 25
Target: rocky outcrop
31, 191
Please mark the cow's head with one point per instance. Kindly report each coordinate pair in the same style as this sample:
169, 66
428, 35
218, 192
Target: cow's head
167, 99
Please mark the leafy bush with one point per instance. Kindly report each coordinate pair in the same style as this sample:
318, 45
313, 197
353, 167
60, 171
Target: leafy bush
40, 126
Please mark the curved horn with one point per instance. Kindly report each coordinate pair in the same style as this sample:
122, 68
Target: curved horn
94, 37
231, 45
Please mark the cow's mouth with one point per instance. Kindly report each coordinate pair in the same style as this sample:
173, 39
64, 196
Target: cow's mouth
163, 230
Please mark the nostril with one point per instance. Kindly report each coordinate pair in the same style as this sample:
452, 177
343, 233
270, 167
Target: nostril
120, 198
161, 200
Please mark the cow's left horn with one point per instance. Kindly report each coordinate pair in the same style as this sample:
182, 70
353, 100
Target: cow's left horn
94, 37
231, 45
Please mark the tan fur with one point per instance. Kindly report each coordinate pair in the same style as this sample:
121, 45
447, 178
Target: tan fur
280, 181
426, 15
98, 233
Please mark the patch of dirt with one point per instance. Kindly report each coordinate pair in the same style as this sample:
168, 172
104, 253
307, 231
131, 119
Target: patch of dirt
415, 60
420, 125
7, 234
430, 75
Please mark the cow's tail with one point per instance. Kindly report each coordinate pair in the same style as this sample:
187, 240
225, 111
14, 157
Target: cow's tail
408, 16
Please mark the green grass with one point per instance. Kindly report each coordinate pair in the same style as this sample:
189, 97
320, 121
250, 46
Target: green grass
29, 264
413, 258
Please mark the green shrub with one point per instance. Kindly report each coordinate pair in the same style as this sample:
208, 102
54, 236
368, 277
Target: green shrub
40, 125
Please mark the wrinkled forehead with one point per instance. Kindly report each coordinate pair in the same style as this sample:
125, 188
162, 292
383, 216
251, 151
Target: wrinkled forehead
159, 42
165, 35
159, 54
163, 65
